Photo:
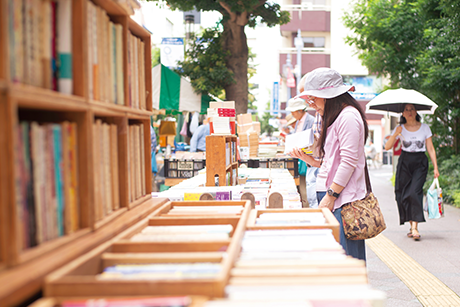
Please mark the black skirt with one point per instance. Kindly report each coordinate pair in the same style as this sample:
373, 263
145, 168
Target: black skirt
410, 178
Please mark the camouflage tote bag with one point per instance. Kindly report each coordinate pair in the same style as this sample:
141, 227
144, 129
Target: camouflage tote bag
362, 219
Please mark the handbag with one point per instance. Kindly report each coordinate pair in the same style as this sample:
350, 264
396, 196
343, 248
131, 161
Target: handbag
362, 219
435, 205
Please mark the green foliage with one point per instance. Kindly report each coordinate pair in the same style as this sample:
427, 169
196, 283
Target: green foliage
449, 179
257, 11
415, 43
236, 15
264, 125
156, 57
204, 63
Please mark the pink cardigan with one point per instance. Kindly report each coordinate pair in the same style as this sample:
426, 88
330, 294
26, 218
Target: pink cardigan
344, 157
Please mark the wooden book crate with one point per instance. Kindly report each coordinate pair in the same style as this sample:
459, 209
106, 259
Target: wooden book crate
79, 278
331, 221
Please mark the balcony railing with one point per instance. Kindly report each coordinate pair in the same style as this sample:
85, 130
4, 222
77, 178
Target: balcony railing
305, 50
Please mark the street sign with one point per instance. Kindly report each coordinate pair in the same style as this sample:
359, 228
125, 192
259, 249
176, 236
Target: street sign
171, 51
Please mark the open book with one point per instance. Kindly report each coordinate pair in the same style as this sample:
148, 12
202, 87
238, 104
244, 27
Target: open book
304, 140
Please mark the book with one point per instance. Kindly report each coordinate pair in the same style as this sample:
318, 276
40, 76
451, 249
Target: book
59, 178
73, 169
114, 166
64, 46
119, 65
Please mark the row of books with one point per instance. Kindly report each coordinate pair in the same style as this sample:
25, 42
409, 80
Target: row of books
136, 161
105, 149
46, 179
105, 56
136, 73
161, 271
41, 43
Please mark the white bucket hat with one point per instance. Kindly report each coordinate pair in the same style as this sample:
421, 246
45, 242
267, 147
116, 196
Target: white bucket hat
324, 82
295, 104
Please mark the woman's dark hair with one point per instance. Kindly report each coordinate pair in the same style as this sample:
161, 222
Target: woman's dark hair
403, 120
332, 110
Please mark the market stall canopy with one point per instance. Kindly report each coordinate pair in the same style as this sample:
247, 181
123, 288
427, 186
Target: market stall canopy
175, 93
393, 101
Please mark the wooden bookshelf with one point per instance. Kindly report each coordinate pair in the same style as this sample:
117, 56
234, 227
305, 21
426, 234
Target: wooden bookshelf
221, 160
80, 277
23, 262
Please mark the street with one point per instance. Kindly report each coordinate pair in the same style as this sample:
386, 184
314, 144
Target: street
414, 273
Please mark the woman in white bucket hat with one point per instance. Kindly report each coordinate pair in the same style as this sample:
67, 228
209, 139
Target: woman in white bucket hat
341, 145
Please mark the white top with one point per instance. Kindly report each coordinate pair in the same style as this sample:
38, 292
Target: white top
415, 141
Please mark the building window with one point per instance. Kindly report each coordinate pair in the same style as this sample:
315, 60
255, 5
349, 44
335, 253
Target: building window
313, 42
314, 2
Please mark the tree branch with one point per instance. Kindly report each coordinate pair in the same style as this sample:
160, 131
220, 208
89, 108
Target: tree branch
229, 10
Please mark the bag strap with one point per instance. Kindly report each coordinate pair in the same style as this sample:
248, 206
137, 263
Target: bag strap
368, 181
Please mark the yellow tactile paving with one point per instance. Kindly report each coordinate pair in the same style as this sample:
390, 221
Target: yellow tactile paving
429, 290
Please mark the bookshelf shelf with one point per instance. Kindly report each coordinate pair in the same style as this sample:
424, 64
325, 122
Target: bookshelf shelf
49, 136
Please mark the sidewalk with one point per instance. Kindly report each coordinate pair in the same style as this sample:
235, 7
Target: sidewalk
438, 251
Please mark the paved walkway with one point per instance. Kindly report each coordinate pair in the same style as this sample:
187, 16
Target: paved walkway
414, 273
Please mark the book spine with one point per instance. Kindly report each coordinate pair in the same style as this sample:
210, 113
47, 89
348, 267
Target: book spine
66, 172
74, 203
64, 46
107, 169
120, 74
58, 173
114, 159
37, 158
89, 39
142, 159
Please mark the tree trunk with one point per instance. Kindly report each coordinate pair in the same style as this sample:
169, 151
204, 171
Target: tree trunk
235, 42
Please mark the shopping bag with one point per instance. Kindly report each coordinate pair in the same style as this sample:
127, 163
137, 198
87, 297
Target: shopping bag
435, 206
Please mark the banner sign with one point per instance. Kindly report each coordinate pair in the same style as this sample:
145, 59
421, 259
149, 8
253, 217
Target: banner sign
171, 51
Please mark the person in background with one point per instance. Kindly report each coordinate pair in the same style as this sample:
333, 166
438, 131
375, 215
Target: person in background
153, 150
412, 167
297, 107
341, 144
371, 153
198, 140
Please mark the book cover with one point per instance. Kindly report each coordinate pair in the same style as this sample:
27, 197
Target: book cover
101, 168
180, 301
113, 63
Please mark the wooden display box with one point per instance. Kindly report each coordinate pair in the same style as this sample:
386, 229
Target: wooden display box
79, 278
221, 160
331, 221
